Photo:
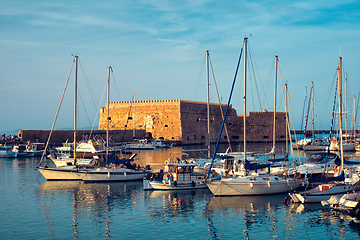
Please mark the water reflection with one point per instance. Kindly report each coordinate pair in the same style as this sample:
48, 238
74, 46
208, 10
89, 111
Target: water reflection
93, 202
257, 211
165, 205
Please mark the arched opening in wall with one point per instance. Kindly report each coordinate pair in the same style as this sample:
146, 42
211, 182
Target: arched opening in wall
225, 137
172, 138
229, 124
140, 126
266, 137
282, 136
161, 138
130, 118
166, 125
235, 137
194, 137
198, 119
125, 126
202, 137
187, 137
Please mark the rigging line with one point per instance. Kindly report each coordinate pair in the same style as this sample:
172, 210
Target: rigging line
195, 90
292, 120
116, 87
327, 101
86, 113
56, 115
222, 114
99, 106
286, 98
226, 111
91, 91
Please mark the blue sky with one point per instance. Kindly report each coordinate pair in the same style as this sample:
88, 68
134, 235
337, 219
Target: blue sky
157, 49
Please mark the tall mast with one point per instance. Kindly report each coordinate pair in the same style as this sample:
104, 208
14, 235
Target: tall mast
208, 102
313, 116
274, 127
75, 105
340, 115
245, 56
134, 135
107, 112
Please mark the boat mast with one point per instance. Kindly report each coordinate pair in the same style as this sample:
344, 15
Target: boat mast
274, 127
245, 56
340, 113
107, 112
134, 135
75, 105
313, 116
208, 103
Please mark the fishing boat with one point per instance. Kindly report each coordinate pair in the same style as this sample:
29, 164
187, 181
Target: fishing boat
177, 176
7, 152
249, 181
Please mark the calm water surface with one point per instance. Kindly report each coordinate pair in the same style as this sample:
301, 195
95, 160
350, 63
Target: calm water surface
33, 208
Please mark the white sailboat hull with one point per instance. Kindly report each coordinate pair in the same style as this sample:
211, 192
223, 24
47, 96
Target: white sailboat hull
111, 175
60, 174
245, 186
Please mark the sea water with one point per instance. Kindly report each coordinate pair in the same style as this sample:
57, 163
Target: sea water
33, 208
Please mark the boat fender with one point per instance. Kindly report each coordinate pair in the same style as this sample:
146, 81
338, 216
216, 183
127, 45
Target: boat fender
268, 183
287, 182
108, 174
252, 185
124, 174
193, 184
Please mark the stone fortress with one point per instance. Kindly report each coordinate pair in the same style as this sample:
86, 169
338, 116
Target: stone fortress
185, 122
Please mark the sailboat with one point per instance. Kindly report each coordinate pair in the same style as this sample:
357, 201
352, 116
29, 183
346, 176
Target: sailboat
338, 187
63, 170
249, 182
116, 169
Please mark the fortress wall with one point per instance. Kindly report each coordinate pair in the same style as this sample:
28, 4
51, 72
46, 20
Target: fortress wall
186, 121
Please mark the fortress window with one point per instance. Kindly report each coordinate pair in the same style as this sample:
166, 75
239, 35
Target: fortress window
130, 118
172, 137
265, 137
126, 126
166, 125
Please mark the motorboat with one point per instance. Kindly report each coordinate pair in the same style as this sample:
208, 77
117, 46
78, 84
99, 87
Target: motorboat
176, 176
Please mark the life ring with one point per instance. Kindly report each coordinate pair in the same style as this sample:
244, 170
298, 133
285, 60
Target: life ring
166, 162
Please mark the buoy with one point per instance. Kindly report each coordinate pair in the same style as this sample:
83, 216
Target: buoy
292, 201
180, 201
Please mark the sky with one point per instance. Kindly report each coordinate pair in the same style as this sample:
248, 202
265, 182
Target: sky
156, 48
